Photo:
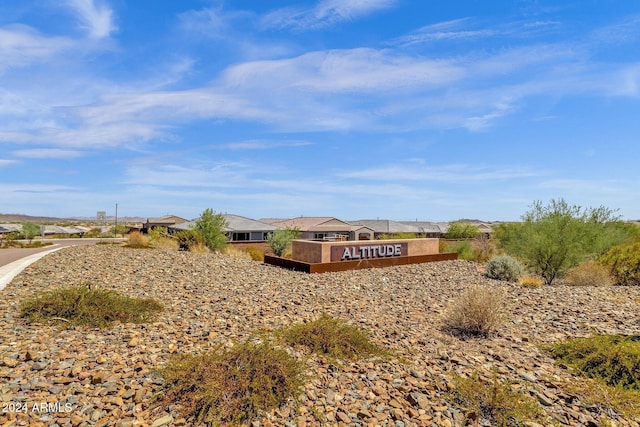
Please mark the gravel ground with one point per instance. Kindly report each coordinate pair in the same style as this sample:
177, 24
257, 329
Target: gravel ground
79, 376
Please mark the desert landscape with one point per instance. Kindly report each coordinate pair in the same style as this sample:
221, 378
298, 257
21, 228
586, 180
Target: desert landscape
110, 376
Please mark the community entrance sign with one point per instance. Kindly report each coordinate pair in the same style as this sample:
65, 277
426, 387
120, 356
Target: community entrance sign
369, 251
320, 257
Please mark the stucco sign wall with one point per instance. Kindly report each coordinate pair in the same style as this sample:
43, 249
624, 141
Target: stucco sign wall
368, 251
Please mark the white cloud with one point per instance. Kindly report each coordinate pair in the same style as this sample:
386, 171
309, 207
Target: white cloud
7, 162
21, 45
48, 153
95, 17
484, 121
34, 188
415, 171
263, 144
218, 175
625, 31
349, 70
324, 13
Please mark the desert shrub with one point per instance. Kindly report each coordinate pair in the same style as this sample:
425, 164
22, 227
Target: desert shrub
464, 249
137, 240
530, 281
484, 248
493, 402
333, 338
30, 230
588, 274
91, 307
233, 386
462, 230
477, 312
199, 248
280, 240
160, 238
504, 267
236, 253
94, 232
613, 359
165, 243
211, 227
596, 393
623, 262
256, 254
155, 233
189, 240
554, 238
399, 235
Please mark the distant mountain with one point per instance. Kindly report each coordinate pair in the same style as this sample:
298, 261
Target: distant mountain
18, 218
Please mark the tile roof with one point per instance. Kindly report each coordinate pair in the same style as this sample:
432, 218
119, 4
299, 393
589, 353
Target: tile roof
235, 223
315, 223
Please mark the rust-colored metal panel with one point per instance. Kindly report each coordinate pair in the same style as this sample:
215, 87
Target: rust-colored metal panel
355, 265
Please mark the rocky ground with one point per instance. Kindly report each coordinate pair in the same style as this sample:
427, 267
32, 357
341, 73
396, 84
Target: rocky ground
79, 376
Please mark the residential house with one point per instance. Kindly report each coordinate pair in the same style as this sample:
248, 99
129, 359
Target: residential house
55, 230
238, 229
326, 228
382, 227
166, 221
427, 228
10, 228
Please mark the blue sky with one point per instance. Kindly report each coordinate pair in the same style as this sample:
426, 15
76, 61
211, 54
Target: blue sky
397, 109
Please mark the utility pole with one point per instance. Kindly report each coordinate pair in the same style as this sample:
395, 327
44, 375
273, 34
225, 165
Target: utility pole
115, 229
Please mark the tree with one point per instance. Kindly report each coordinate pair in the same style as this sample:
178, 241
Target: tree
462, 230
280, 239
30, 230
211, 226
554, 238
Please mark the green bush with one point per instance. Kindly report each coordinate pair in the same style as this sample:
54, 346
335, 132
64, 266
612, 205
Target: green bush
211, 227
462, 230
464, 249
91, 307
232, 387
624, 263
30, 230
504, 267
93, 233
552, 239
280, 240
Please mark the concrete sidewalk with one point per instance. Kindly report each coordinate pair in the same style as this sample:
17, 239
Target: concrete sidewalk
12, 269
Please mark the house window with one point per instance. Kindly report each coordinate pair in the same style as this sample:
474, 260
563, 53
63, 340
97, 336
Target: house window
239, 237
319, 236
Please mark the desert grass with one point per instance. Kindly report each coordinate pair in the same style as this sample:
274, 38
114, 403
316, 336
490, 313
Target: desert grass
479, 311
493, 402
89, 307
138, 240
232, 387
333, 338
610, 365
588, 274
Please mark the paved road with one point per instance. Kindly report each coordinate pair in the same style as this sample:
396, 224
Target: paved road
14, 260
